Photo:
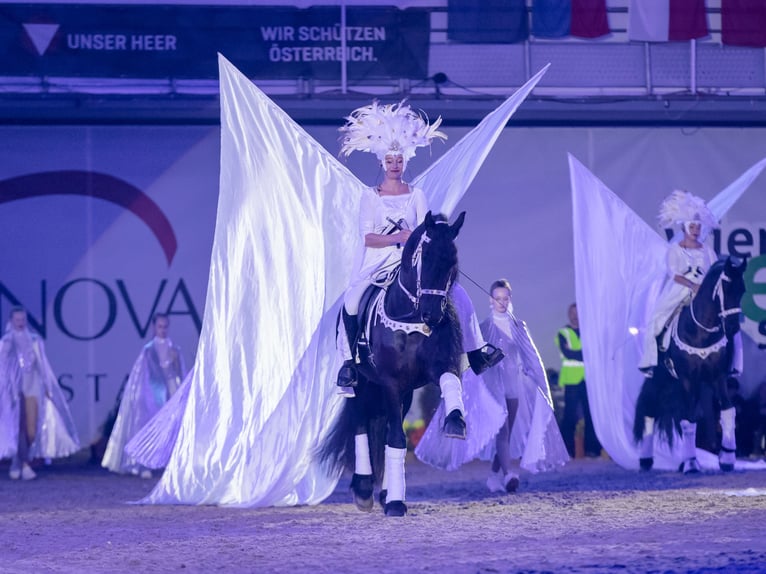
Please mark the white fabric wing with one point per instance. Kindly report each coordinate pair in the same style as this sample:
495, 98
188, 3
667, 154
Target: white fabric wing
447, 179
262, 393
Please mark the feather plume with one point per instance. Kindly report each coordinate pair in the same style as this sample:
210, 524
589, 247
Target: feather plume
681, 207
393, 129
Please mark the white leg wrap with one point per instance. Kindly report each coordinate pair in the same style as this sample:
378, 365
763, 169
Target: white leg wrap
738, 358
452, 393
647, 441
362, 463
395, 473
728, 440
689, 447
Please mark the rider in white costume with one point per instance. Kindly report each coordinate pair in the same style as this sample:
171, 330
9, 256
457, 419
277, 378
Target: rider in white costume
687, 262
388, 214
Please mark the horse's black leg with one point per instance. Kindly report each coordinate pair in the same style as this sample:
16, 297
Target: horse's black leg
396, 450
689, 431
643, 426
363, 481
728, 453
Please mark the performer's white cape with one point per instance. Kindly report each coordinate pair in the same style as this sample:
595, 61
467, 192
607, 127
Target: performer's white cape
262, 393
535, 438
619, 272
56, 432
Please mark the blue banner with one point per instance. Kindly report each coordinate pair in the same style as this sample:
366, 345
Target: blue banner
183, 41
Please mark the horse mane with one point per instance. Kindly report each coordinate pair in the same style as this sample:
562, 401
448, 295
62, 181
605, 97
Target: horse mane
447, 255
712, 275
409, 247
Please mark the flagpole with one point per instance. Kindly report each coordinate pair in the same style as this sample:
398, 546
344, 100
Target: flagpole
343, 60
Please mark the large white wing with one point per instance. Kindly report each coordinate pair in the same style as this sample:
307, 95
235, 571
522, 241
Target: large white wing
448, 178
263, 389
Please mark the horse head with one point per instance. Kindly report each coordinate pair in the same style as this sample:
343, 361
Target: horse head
717, 302
430, 266
731, 290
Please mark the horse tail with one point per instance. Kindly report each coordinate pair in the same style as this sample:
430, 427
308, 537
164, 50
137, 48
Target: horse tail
362, 413
673, 400
662, 398
337, 450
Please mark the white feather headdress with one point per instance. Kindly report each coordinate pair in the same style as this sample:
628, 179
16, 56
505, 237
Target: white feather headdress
681, 207
393, 129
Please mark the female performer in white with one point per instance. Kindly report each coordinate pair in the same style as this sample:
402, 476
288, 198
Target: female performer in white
388, 214
687, 262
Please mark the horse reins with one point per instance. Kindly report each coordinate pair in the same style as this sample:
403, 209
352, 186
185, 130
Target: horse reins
417, 263
717, 292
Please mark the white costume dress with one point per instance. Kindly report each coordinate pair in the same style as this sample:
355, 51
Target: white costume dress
26, 372
154, 378
535, 437
408, 210
689, 263
376, 212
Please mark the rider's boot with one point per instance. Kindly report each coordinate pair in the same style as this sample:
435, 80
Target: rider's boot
347, 375
452, 393
484, 358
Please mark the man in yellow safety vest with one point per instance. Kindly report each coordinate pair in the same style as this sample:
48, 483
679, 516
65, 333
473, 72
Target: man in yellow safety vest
572, 378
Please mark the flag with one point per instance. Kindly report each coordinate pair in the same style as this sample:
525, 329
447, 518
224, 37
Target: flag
743, 22
667, 20
487, 21
558, 18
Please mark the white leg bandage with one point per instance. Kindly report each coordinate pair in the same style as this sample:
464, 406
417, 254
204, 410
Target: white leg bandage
689, 446
728, 440
452, 393
395, 473
647, 441
362, 463
738, 358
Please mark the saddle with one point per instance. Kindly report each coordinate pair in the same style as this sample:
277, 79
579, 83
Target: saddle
361, 348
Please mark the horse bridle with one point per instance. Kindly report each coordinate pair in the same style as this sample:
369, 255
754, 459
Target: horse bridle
417, 263
717, 292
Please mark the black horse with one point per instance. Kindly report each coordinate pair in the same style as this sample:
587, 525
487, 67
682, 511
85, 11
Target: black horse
414, 339
698, 359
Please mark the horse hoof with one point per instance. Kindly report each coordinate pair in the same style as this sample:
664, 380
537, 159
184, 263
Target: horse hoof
726, 459
382, 498
454, 425
362, 490
512, 485
646, 464
690, 466
396, 508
